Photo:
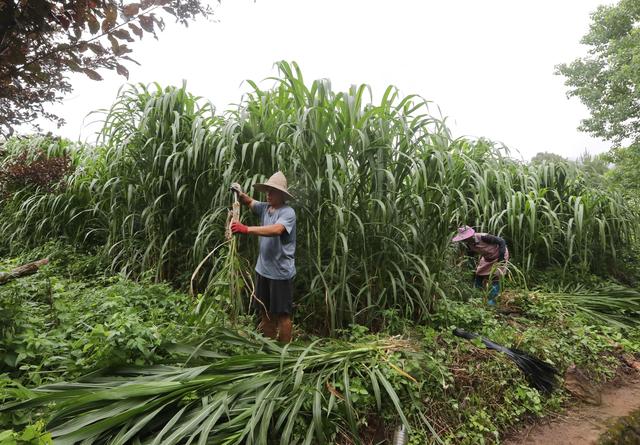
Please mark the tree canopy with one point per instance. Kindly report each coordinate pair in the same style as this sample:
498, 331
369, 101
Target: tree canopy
627, 168
546, 156
42, 41
607, 79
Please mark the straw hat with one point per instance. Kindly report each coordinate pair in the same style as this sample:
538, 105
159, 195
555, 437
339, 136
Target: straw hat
464, 232
277, 181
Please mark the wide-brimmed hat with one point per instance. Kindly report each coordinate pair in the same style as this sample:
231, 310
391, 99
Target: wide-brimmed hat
278, 182
464, 233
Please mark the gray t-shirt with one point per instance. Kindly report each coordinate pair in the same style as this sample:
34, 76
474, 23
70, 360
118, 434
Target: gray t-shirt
276, 259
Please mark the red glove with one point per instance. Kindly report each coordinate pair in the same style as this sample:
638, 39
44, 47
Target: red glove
238, 227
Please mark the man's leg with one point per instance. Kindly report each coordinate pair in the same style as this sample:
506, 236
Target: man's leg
268, 322
282, 299
269, 325
285, 326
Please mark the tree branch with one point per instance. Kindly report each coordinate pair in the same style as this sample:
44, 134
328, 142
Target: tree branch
70, 48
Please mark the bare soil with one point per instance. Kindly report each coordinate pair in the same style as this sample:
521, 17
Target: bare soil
583, 424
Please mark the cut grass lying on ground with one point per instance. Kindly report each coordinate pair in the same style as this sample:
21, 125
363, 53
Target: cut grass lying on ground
270, 393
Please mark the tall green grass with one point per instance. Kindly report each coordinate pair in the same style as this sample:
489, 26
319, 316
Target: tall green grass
381, 185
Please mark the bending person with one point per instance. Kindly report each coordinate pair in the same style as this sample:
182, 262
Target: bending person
494, 256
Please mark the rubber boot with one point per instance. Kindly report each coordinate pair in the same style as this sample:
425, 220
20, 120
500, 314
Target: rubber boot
268, 325
493, 293
285, 327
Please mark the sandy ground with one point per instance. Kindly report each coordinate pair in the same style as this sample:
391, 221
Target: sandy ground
583, 424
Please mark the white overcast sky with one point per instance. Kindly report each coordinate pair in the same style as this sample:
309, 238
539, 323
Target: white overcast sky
488, 64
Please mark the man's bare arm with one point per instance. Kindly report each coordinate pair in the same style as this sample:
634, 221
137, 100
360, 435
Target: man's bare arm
270, 230
246, 200
242, 196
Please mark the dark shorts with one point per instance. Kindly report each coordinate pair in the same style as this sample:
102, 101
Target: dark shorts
276, 295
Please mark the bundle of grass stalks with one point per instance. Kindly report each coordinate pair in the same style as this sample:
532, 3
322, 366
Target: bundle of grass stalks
233, 276
269, 394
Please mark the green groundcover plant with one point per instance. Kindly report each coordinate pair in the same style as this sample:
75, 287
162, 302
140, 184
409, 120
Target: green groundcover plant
115, 360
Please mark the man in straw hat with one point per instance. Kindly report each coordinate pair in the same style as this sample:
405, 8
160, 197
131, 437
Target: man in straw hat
493, 258
275, 268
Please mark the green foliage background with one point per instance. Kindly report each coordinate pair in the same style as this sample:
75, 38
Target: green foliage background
380, 188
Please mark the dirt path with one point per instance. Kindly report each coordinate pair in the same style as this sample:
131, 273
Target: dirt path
583, 424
